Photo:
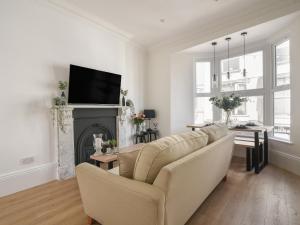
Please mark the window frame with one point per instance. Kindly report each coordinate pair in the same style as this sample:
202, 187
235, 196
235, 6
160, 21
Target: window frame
275, 88
212, 88
274, 67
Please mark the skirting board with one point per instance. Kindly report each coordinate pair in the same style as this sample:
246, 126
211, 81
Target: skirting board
280, 159
285, 161
23, 179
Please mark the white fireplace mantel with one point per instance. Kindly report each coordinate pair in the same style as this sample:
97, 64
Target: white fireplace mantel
64, 134
87, 106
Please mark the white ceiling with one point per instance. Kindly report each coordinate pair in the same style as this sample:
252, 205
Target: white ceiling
255, 34
141, 19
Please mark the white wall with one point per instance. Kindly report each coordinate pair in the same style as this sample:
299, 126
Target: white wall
38, 42
182, 101
157, 95
287, 155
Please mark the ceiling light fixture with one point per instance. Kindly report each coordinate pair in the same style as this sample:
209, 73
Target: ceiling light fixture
244, 34
228, 55
214, 75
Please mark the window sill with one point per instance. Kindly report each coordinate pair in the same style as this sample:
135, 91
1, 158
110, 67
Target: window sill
281, 140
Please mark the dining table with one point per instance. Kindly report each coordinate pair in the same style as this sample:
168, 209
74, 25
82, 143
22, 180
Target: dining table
256, 130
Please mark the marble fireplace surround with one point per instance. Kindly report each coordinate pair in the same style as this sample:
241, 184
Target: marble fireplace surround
63, 118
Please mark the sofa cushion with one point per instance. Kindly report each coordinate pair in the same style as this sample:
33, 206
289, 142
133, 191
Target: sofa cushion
215, 132
159, 153
127, 162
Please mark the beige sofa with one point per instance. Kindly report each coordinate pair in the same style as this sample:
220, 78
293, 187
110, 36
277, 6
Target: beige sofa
177, 191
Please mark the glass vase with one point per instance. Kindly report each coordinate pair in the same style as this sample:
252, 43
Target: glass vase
227, 119
138, 128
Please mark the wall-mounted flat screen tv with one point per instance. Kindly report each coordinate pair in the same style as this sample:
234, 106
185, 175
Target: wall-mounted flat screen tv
89, 86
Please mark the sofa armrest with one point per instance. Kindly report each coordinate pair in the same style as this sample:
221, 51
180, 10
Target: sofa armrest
112, 199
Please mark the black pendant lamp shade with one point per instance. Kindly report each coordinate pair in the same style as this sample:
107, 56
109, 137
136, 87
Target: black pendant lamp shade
228, 55
244, 34
214, 75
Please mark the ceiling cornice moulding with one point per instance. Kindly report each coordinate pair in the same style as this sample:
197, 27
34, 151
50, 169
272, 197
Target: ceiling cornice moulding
101, 24
231, 24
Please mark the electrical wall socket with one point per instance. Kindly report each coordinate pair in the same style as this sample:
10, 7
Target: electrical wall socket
27, 160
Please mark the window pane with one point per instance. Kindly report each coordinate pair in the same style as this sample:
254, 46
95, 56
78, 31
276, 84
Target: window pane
250, 111
237, 82
282, 117
203, 110
202, 77
283, 63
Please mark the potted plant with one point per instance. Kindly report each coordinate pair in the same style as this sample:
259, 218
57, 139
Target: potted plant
124, 94
113, 145
228, 103
62, 86
138, 119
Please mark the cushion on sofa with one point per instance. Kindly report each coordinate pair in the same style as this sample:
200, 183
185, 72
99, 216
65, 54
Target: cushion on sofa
215, 131
159, 153
127, 162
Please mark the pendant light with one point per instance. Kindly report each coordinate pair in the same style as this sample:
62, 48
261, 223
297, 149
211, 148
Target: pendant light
244, 34
214, 74
228, 55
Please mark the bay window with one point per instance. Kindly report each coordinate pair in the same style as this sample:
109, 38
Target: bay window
252, 86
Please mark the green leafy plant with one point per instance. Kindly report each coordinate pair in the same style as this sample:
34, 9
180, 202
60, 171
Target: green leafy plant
62, 85
113, 143
57, 101
228, 103
124, 92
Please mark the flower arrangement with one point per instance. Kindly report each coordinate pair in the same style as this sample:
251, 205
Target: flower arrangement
228, 103
138, 119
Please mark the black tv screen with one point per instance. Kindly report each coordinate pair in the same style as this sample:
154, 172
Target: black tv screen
89, 86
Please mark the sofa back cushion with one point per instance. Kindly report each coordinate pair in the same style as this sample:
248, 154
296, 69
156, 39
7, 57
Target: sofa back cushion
126, 163
215, 132
157, 154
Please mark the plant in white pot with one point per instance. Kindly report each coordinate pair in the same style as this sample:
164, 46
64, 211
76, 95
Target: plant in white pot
228, 103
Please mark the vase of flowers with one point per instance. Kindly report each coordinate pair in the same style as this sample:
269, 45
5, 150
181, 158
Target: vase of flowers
124, 94
228, 104
138, 119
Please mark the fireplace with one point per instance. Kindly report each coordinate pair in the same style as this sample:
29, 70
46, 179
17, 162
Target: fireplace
88, 122
74, 129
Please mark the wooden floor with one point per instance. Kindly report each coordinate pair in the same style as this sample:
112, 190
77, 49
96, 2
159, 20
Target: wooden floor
270, 198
